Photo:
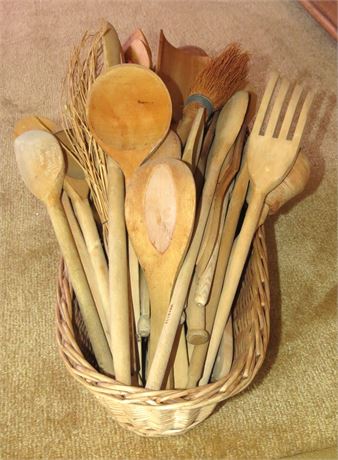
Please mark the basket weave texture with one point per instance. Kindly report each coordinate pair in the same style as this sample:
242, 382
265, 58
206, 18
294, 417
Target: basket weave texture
172, 412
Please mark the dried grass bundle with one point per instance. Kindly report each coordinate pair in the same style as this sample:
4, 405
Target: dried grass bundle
85, 65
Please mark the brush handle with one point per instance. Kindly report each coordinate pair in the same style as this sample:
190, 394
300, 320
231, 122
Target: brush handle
186, 122
118, 275
86, 262
91, 236
232, 278
81, 287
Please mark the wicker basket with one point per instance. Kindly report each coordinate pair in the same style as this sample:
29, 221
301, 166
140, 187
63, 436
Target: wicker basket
172, 412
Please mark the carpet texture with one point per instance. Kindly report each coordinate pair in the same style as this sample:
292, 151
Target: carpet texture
290, 407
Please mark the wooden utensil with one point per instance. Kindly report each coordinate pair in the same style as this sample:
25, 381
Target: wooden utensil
229, 170
41, 164
214, 85
136, 49
178, 68
78, 190
85, 260
225, 353
292, 185
112, 50
269, 160
229, 123
129, 113
193, 146
170, 148
160, 210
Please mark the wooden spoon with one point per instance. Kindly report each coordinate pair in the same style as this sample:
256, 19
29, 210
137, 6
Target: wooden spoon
160, 210
170, 148
228, 126
41, 164
129, 113
78, 191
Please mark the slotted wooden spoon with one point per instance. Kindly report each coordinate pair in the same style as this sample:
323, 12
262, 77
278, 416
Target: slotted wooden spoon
269, 159
160, 210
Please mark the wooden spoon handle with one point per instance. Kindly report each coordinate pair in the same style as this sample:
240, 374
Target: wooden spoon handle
118, 275
81, 288
196, 364
195, 317
225, 353
232, 278
181, 363
86, 262
95, 250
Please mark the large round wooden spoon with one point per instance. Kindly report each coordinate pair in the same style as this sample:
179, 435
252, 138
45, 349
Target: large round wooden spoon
129, 114
160, 211
41, 164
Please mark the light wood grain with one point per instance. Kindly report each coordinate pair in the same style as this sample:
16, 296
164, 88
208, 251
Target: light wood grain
41, 165
228, 127
269, 161
160, 231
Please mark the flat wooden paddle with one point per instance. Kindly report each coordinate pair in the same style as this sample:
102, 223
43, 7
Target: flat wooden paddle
160, 211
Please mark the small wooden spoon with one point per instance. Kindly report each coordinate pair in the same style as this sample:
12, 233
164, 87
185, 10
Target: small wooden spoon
160, 210
41, 164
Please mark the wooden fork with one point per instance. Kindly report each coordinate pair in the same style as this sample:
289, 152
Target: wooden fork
269, 159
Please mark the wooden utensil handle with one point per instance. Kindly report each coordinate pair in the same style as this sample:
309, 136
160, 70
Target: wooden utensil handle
237, 199
95, 250
225, 353
195, 317
86, 262
232, 277
118, 275
79, 282
181, 363
196, 364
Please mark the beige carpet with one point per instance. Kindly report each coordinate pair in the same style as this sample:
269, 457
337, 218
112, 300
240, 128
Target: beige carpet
290, 407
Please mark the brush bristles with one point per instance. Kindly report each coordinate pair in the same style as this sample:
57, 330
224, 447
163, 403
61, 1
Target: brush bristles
223, 76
